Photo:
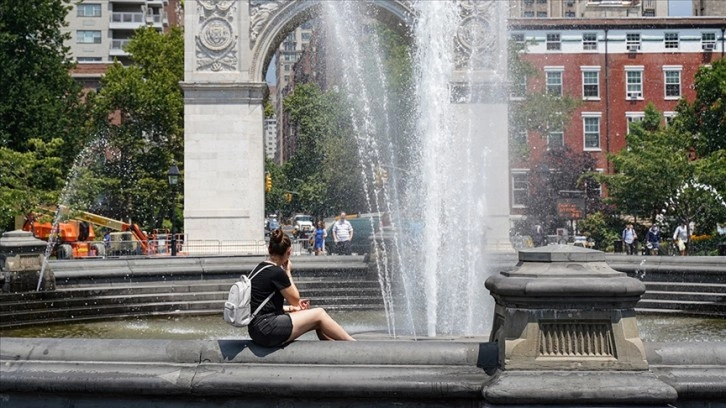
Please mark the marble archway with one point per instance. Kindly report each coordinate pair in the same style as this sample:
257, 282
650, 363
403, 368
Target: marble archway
228, 45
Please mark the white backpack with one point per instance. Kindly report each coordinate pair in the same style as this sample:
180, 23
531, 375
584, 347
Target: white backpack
237, 307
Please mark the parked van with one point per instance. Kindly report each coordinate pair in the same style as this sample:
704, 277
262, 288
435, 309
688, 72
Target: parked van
363, 227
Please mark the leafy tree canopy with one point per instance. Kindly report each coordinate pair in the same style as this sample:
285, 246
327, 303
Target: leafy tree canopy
138, 120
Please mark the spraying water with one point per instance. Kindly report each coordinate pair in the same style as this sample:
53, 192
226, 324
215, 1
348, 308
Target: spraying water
81, 163
433, 268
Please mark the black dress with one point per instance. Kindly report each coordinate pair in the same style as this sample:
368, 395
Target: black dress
271, 327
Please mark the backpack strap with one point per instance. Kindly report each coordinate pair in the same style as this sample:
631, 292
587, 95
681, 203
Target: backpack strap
264, 302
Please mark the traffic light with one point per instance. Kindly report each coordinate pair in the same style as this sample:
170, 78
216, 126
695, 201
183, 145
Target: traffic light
288, 197
268, 182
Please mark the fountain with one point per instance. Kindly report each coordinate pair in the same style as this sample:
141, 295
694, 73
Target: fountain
465, 370
447, 195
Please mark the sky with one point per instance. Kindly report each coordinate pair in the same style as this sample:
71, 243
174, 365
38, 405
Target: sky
271, 70
680, 8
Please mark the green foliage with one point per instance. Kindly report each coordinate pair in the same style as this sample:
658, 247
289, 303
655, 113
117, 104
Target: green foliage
38, 168
658, 178
326, 173
560, 170
533, 111
41, 115
705, 117
603, 230
269, 110
138, 114
326, 157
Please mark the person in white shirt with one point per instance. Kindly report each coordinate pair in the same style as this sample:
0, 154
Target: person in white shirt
680, 237
342, 235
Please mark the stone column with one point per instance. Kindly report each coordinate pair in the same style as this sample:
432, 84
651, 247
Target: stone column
223, 121
481, 104
566, 330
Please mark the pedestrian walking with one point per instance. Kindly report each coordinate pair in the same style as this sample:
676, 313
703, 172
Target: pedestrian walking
652, 240
629, 236
342, 235
320, 235
680, 237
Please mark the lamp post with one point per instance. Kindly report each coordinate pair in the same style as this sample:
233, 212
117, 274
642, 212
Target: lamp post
173, 175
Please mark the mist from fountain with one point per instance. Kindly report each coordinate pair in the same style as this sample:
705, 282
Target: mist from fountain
68, 195
437, 252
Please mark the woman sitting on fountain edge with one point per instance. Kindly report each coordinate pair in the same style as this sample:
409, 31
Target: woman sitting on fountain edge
273, 326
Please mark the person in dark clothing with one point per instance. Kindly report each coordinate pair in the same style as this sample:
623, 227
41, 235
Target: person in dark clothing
277, 324
653, 240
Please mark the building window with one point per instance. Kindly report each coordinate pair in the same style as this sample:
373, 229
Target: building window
541, 14
570, 14
89, 10
520, 187
553, 42
632, 41
631, 117
88, 37
589, 41
528, 14
528, 2
554, 80
305, 36
89, 59
634, 82
593, 188
287, 67
708, 41
518, 88
518, 38
591, 130
672, 79
669, 117
289, 46
591, 83
671, 41
541, 1
555, 139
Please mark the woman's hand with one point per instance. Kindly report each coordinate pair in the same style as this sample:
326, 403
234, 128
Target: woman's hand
304, 304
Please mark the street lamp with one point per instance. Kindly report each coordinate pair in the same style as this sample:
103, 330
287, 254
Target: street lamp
173, 175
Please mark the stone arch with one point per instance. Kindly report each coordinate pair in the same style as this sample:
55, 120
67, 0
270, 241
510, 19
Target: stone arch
396, 14
228, 45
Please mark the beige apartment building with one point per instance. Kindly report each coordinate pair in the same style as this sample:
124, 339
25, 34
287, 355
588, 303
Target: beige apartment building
588, 8
101, 29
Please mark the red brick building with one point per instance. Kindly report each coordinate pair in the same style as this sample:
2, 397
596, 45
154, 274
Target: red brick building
616, 67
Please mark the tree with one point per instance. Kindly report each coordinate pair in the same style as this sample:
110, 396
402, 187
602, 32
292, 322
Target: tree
560, 171
38, 168
324, 172
659, 178
138, 116
42, 117
705, 117
539, 111
39, 98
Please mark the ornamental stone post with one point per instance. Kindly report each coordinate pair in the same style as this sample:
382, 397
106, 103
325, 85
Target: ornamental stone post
566, 328
21, 262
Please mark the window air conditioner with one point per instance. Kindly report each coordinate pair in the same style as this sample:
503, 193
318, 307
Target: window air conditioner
633, 95
709, 46
633, 47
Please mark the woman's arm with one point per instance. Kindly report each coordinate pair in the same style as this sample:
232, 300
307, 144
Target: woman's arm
290, 293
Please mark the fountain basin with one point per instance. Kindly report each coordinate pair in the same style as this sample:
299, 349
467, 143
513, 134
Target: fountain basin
169, 373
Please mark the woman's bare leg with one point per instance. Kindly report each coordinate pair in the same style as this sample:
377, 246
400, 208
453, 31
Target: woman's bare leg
317, 319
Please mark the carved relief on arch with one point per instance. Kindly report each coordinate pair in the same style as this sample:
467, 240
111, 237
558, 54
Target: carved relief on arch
477, 37
216, 41
260, 13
